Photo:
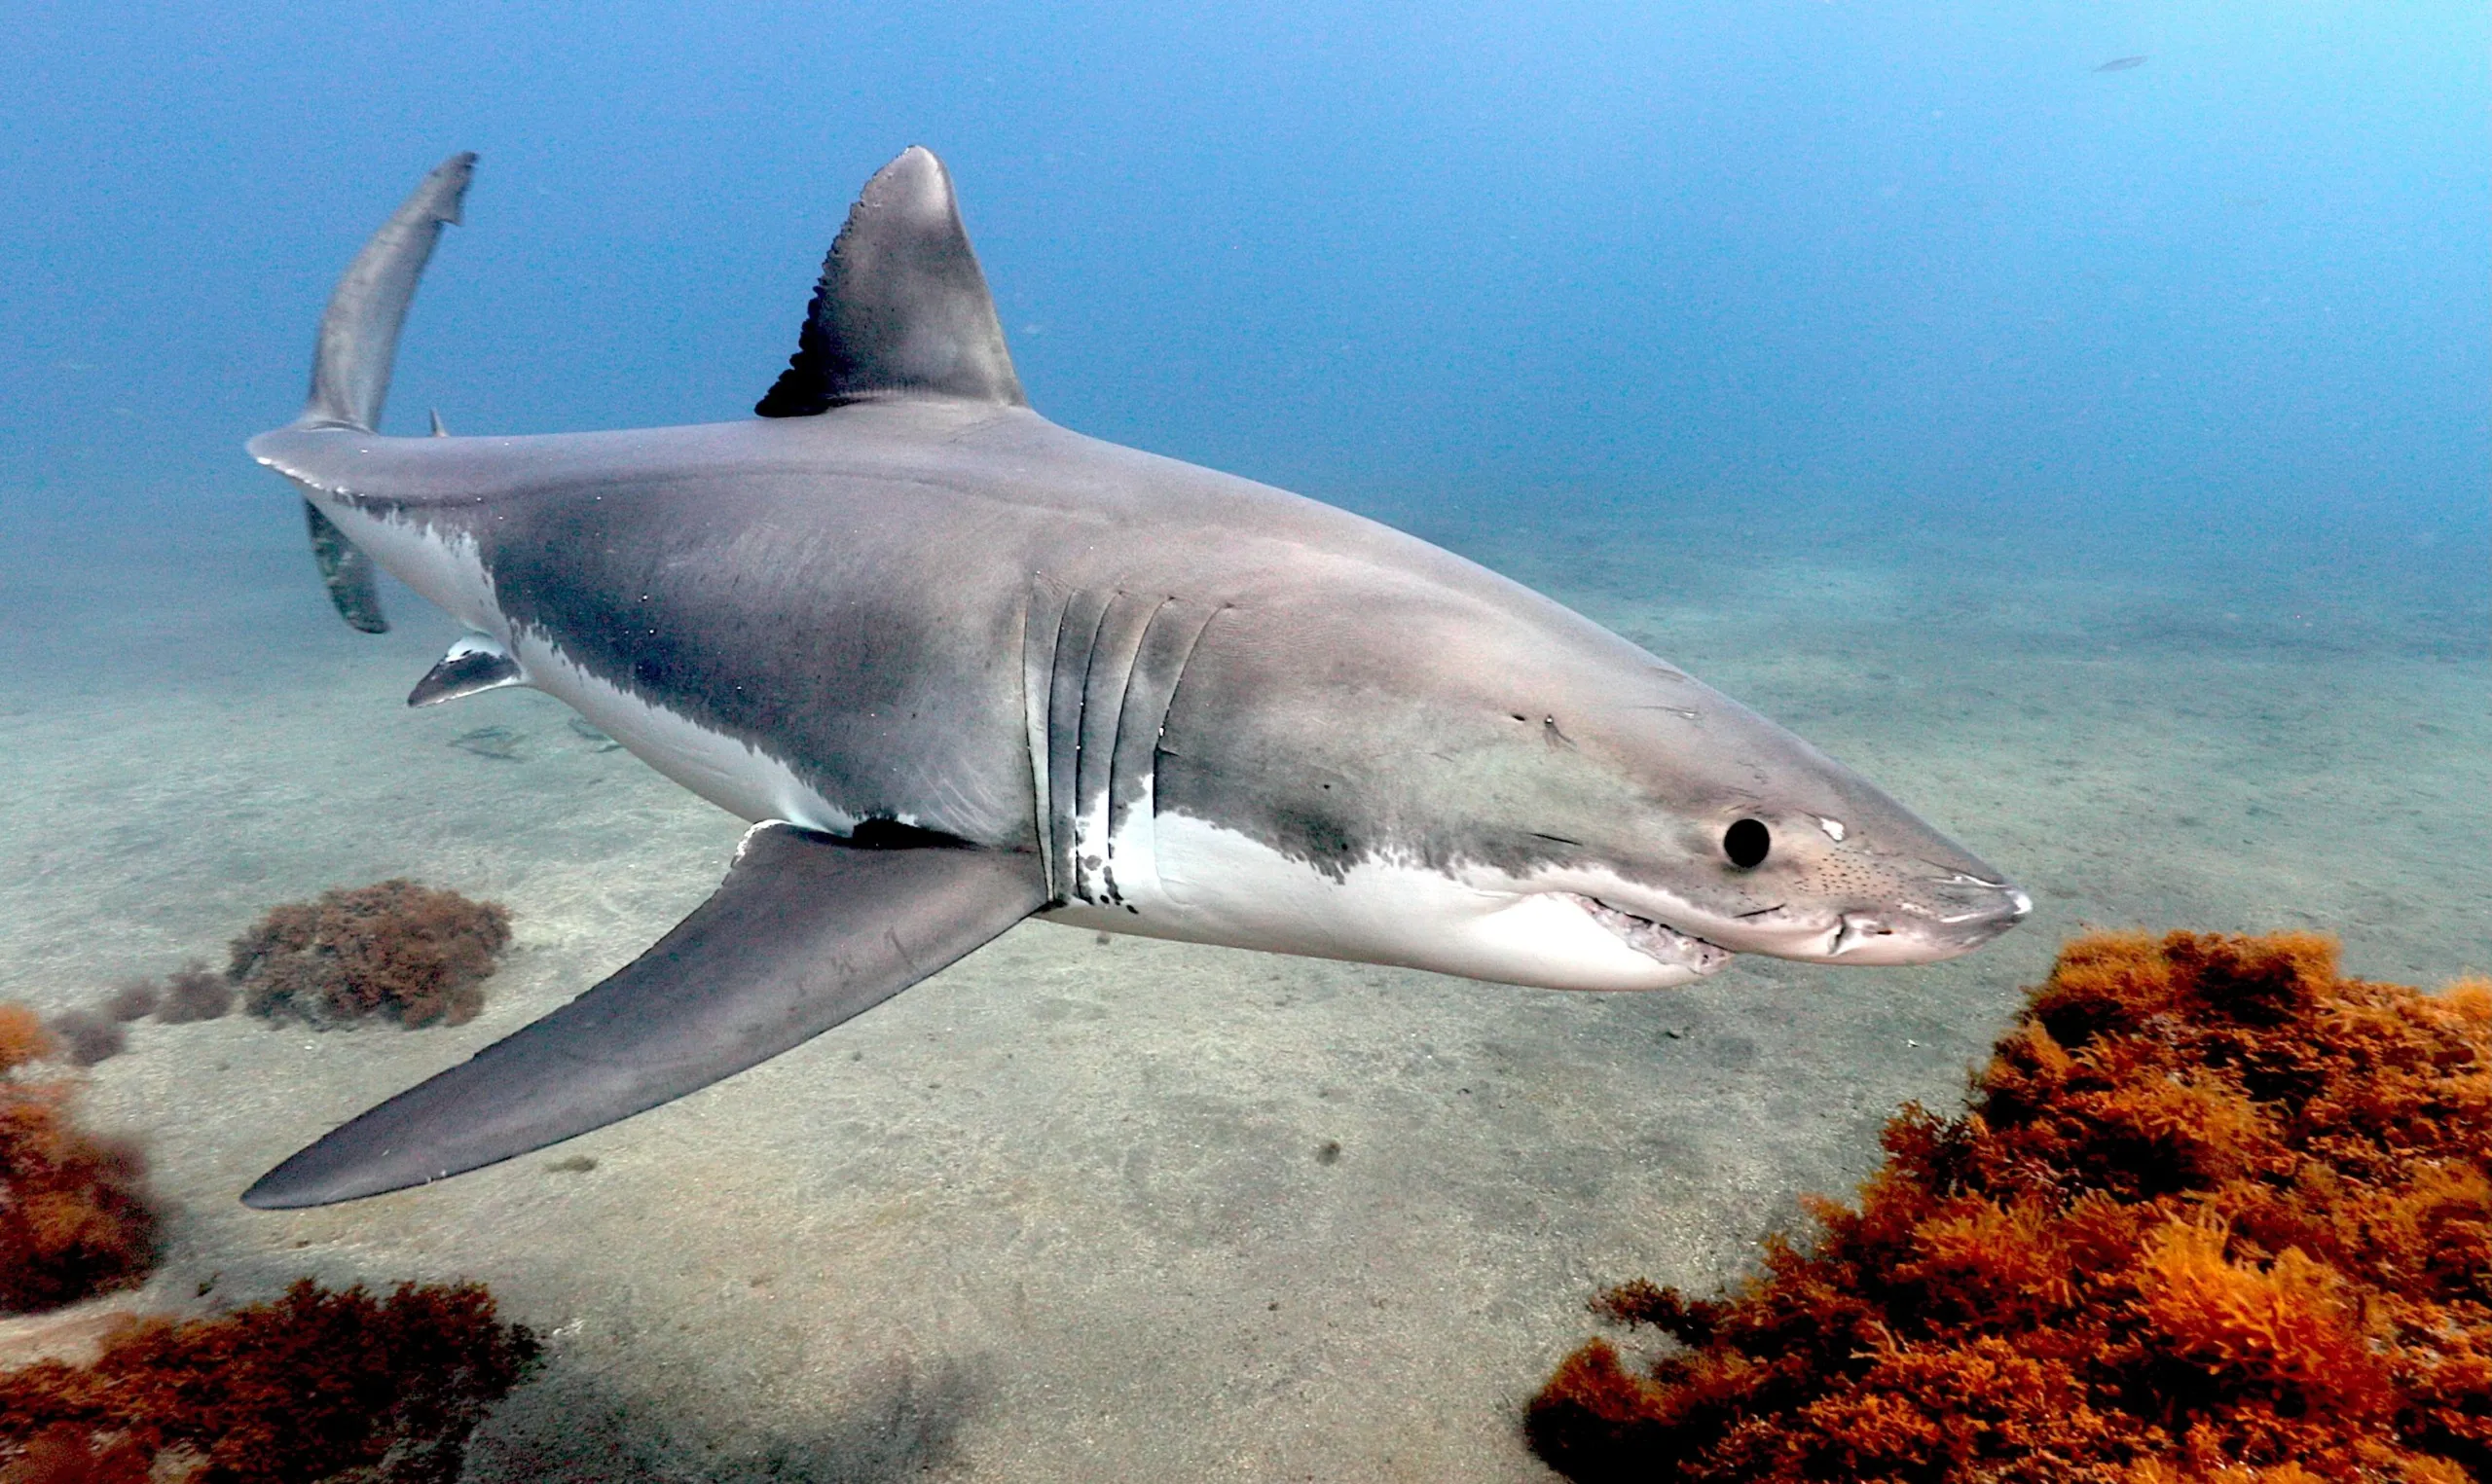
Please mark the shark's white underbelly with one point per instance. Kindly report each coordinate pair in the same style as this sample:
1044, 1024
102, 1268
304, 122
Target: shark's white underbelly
1180, 877
727, 771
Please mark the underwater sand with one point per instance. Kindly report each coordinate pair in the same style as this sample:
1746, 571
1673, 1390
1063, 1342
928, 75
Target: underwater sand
1139, 1210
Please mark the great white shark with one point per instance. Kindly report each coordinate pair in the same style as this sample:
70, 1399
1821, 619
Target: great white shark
961, 667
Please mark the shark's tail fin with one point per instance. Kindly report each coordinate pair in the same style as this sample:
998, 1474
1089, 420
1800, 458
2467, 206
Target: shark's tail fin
351, 365
359, 333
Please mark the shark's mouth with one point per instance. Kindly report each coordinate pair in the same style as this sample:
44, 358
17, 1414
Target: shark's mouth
1656, 941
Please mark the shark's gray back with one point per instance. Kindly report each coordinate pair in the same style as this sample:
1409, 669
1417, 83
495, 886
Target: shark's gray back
854, 593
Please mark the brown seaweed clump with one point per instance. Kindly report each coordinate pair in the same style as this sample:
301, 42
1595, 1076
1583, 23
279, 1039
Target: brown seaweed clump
413, 954
88, 1036
74, 1219
133, 1000
192, 993
312, 1386
2216, 1214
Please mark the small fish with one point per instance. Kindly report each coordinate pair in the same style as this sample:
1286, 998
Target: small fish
2121, 65
490, 742
604, 744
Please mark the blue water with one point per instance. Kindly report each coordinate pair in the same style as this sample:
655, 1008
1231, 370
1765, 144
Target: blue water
1925, 255
2098, 458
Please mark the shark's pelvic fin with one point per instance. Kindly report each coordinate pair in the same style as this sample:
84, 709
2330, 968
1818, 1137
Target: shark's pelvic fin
805, 932
346, 572
902, 309
359, 332
475, 662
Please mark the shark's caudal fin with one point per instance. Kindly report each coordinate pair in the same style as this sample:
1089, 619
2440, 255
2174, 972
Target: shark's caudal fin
359, 333
902, 309
805, 932
346, 572
351, 365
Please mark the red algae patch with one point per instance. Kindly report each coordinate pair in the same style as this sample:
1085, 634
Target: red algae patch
408, 953
311, 1385
74, 1220
2215, 1215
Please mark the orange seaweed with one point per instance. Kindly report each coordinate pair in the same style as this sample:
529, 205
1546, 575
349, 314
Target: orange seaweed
314, 1385
2216, 1214
74, 1217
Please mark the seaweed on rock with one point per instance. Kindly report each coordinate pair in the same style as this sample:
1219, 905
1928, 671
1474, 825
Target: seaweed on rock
411, 953
2215, 1214
74, 1219
311, 1385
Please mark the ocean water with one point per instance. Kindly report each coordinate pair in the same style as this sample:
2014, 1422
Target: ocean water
2095, 458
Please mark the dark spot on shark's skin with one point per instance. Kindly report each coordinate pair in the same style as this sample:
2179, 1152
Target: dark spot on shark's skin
1323, 841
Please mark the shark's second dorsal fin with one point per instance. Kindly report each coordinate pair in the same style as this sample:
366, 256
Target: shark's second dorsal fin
902, 309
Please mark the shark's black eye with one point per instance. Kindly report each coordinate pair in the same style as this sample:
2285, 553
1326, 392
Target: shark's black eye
1746, 843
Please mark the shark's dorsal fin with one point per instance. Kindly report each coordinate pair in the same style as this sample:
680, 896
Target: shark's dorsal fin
902, 310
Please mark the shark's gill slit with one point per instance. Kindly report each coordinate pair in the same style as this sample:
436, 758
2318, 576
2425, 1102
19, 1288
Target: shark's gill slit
1068, 682
1116, 793
1103, 699
1041, 630
1168, 642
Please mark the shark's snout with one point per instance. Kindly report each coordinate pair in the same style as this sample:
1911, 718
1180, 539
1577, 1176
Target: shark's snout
1961, 914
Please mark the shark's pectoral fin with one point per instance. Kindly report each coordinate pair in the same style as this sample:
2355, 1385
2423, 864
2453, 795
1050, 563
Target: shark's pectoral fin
805, 932
473, 664
346, 572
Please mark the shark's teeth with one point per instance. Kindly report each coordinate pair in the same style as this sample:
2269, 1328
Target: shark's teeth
1656, 941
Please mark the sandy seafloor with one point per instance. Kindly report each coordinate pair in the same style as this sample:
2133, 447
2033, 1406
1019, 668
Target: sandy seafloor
1064, 1211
